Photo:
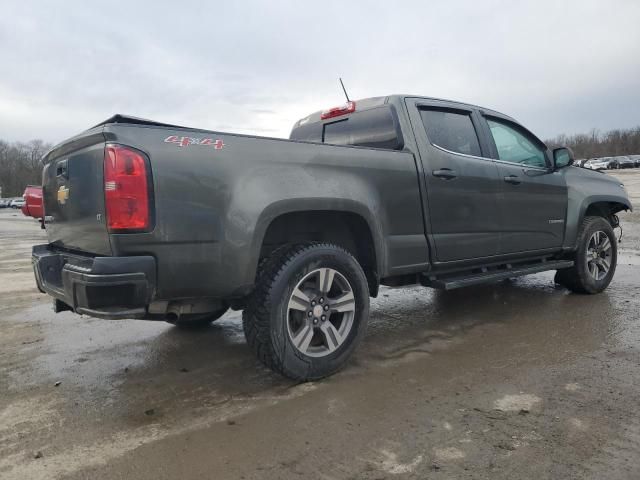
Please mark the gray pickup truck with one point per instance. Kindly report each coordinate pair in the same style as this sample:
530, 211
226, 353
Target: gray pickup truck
161, 222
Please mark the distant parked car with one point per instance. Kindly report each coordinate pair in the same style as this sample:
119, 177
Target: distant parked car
17, 202
580, 162
605, 163
613, 163
625, 162
33, 201
636, 160
4, 202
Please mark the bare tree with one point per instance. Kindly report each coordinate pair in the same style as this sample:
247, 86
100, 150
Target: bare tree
596, 144
20, 165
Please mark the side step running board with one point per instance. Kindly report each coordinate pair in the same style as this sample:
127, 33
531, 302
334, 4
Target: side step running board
494, 275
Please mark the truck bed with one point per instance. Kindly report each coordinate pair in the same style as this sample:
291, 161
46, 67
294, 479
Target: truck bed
215, 194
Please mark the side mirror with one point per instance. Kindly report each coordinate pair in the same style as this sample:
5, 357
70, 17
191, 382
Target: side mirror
562, 157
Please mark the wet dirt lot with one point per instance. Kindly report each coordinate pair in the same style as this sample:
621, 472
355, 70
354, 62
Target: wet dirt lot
515, 380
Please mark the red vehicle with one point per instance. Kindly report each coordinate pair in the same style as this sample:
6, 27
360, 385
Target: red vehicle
33, 202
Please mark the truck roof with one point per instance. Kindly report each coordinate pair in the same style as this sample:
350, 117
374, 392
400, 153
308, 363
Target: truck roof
370, 122
316, 118
373, 102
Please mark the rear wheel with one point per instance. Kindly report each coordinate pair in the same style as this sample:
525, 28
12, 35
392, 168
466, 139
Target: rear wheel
308, 312
595, 258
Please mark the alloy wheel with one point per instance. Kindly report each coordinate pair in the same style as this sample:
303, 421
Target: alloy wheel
599, 253
320, 312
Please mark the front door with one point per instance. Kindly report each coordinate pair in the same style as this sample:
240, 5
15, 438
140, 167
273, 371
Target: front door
533, 200
462, 182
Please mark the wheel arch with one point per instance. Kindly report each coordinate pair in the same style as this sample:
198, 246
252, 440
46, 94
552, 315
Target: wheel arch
603, 208
346, 223
597, 205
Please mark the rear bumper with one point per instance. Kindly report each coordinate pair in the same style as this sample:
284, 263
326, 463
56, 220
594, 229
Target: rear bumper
103, 287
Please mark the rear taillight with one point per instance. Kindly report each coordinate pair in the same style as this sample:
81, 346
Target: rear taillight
126, 189
348, 107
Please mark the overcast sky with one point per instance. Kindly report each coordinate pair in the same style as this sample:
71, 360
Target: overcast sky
258, 66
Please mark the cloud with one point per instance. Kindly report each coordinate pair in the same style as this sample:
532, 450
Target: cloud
257, 67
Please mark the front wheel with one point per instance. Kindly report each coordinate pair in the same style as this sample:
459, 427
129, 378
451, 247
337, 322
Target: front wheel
595, 258
309, 310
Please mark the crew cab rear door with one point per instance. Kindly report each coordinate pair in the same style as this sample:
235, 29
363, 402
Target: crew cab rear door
461, 181
533, 200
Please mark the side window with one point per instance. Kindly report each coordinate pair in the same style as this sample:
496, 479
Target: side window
452, 130
516, 147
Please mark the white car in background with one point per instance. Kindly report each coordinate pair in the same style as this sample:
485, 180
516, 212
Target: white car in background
17, 202
605, 163
580, 162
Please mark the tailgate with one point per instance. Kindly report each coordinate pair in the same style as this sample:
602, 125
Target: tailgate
73, 194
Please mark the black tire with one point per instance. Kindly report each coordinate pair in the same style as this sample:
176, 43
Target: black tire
197, 321
266, 317
578, 278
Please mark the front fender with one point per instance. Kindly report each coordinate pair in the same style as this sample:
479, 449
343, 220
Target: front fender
584, 188
578, 208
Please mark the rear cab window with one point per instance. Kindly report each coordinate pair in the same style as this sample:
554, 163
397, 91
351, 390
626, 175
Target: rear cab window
376, 127
371, 128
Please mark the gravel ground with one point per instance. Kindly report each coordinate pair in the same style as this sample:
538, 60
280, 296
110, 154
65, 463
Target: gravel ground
516, 380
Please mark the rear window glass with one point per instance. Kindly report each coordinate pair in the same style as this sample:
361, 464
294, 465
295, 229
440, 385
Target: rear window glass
451, 130
376, 127
371, 128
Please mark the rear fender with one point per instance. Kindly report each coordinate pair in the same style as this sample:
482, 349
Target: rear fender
282, 207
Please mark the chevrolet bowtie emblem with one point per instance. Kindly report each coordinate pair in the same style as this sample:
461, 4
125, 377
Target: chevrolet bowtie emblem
63, 195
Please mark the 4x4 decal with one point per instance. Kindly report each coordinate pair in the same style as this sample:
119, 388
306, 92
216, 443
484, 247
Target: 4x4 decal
186, 141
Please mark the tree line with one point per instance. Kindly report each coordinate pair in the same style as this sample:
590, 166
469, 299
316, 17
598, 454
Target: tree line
20, 165
596, 144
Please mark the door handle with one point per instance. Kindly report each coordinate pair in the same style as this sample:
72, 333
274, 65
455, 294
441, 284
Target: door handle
445, 173
512, 179
62, 169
